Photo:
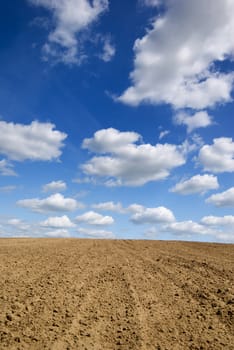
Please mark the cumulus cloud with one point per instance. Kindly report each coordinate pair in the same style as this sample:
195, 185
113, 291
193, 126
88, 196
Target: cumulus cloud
6, 168
175, 61
198, 120
36, 141
227, 220
55, 186
93, 218
223, 225
218, 157
223, 199
196, 184
126, 163
95, 233
54, 203
188, 228
144, 215
109, 206
109, 140
58, 221
70, 19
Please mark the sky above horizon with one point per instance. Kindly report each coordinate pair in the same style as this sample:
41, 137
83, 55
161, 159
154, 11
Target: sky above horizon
116, 119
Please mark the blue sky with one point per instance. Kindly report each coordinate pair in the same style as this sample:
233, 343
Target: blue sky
116, 120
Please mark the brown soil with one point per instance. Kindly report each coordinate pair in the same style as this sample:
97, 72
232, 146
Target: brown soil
115, 295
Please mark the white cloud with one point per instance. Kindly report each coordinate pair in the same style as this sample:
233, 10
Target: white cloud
95, 233
36, 141
127, 163
54, 203
198, 120
151, 2
144, 215
6, 168
219, 228
188, 228
58, 221
18, 224
109, 206
93, 218
55, 186
227, 220
70, 19
110, 140
175, 61
135, 208
196, 184
218, 157
223, 199
59, 233
108, 51
151, 233
85, 180
7, 189
163, 134
223, 225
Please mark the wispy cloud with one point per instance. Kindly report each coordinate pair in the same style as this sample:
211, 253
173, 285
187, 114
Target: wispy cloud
69, 20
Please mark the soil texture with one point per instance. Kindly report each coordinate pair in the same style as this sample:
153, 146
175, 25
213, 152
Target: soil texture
65, 294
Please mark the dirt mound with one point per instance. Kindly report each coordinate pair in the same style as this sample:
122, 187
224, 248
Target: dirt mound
115, 295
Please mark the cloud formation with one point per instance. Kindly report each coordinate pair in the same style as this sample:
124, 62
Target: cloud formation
54, 203
109, 206
196, 184
59, 233
144, 215
125, 163
198, 120
175, 61
223, 199
93, 218
6, 168
7, 189
227, 220
55, 186
102, 234
188, 228
151, 2
70, 19
58, 221
36, 141
108, 50
218, 157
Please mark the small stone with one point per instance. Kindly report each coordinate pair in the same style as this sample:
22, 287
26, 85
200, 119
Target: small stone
9, 317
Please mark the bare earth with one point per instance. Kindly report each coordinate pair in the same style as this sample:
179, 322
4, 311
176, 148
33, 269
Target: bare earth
115, 295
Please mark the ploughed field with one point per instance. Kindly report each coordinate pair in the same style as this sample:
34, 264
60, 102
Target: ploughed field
61, 294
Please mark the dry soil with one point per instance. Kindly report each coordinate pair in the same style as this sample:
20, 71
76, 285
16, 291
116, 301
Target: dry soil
62, 294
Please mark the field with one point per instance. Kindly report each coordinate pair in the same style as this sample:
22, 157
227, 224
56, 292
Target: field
61, 294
